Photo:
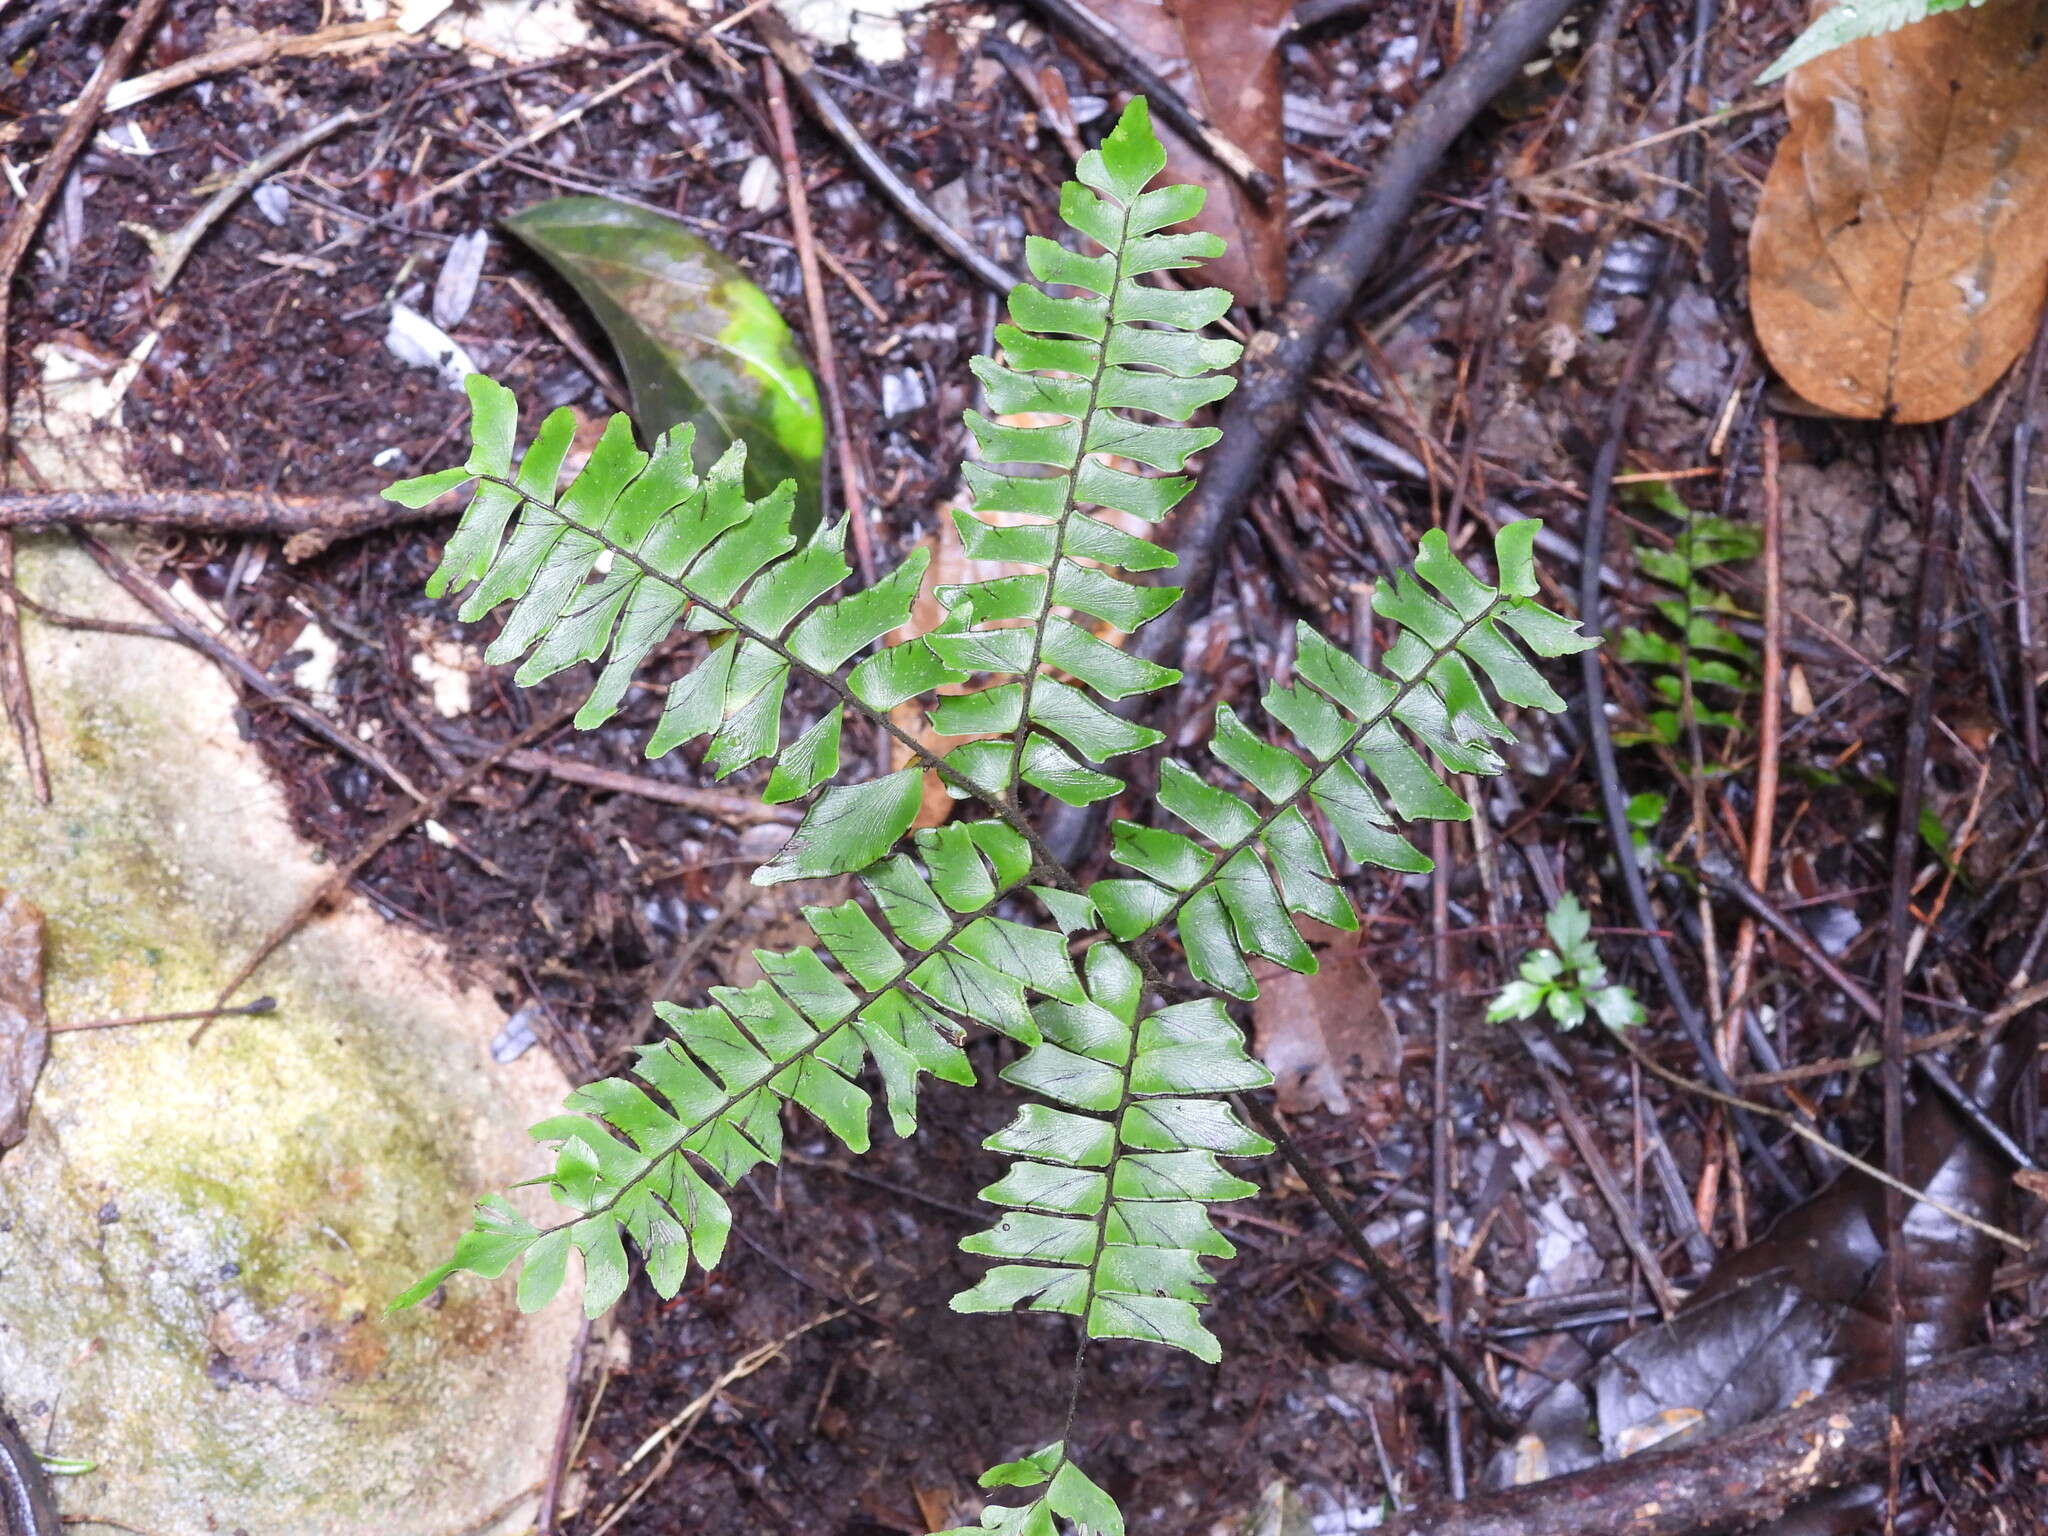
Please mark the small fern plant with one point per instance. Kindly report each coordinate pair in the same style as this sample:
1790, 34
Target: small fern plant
973, 926
1693, 647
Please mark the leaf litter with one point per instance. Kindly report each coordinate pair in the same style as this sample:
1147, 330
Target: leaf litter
1803, 1310
1326, 1032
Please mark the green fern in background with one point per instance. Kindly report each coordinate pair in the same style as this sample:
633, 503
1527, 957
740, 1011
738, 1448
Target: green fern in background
1695, 647
973, 925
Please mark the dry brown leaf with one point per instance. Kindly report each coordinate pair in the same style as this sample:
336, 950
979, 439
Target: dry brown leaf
24, 1028
1899, 257
1223, 56
1317, 1033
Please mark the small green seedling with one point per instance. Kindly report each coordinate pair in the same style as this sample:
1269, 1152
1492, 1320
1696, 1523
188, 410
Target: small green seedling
1568, 980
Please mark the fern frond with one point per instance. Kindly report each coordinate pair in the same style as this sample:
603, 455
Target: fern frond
1105, 1206
1230, 888
1108, 1199
1850, 21
1070, 1494
632, 1154
638, 546
1698, 648
1075, 369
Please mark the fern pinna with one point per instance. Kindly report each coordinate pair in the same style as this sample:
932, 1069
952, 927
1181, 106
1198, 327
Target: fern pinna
973, 926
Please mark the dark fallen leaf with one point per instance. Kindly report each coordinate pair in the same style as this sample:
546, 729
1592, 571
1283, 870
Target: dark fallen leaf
1317, 1033
1805, 1309
24, 1029
1224, 58
699, 341
1726, 1362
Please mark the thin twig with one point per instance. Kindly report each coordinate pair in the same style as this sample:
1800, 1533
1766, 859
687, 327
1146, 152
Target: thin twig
78, 621
677, 1429
2018, 494
243, 53
1800, 1128
1262, 1116
15, 693
244, 671
559, 326
685, 960
1937, 535
1613, 801
1603, 1177
1764, 812
210, 511
261, 1005
552, 124
172, 251
720, 804
1863, 1061
1441, 1144
851, 491
796, 59
558, 1461
2017, 1004
1723, 879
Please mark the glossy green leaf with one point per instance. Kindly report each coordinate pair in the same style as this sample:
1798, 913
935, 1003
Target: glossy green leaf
700, 343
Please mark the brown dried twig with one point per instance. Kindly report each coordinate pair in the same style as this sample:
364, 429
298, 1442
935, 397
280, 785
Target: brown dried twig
850, 488
803, 78
1755, 1473
323, 517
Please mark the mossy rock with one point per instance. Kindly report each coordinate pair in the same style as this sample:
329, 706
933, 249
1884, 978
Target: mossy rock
197, 1242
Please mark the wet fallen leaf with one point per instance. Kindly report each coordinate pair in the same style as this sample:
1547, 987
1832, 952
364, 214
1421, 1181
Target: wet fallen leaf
1318, 1033
1224, 58
24, 1029
1806, 1308
1899, 256
1718, 1365
700, 342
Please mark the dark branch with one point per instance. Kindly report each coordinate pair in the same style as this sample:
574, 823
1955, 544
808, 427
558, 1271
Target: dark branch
1757, 1473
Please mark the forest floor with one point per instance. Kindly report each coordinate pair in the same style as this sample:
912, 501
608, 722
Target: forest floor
1490, 349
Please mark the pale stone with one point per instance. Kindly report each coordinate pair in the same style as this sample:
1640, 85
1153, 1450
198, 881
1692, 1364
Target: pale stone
197, 1243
